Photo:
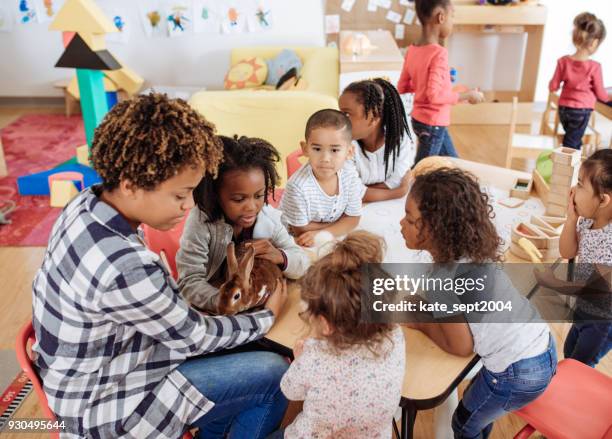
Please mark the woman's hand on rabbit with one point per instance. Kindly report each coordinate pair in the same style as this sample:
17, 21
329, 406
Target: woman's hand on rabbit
278, 298
264, 249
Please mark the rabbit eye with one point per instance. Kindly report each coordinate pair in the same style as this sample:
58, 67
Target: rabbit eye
236, 297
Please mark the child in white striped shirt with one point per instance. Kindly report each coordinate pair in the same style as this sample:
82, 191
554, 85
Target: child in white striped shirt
324, 194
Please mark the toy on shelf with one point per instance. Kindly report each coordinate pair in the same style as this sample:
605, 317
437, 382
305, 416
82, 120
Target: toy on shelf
542, 233
566, 163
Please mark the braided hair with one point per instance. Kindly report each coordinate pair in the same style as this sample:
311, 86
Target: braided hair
381, 99
239, 153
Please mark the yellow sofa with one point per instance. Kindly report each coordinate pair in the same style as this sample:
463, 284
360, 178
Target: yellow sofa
276, 116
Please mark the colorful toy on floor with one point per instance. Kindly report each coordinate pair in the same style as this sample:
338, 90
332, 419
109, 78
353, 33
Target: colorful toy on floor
38, 183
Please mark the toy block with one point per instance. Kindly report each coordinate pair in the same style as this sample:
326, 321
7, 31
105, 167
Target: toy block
82, 16
547, 254
512, 202
521, 188
62, 191
559, 169
556, 209
93, 100
566, 156
542, 188
561, 180
555, 198
82, 154
530, 232
543, 225
73, 87
79, 55
126, 79
38, 183
96, 42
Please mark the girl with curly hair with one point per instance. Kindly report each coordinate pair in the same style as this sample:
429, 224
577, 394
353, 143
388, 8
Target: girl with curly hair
449, 216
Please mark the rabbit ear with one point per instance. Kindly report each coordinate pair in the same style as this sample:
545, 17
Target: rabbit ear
232, 264
246, 264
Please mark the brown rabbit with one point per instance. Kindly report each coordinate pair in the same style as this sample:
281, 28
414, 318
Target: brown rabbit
247, 285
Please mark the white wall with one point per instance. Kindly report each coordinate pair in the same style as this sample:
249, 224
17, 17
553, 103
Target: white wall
28, 54
558, 38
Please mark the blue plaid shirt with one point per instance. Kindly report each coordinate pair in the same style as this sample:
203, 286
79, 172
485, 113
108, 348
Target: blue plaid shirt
112, 328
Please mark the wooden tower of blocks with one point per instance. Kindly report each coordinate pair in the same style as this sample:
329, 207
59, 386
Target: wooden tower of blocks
566, 163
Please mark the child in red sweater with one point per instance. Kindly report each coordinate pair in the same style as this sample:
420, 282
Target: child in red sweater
426, 74
581, 78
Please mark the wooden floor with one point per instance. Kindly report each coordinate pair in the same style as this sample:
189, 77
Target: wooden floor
18, 265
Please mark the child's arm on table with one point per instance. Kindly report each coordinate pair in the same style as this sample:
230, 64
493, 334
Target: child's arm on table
454, 338
341, 227
381, 192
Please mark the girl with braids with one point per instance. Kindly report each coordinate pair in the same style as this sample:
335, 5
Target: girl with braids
349, 373
120, 353
427, 75
581, 78
232, 206
384, 150
448, 216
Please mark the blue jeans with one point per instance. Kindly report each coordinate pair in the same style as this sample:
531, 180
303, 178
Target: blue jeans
433, 140
245, 387
588, 341
278, 434
492, 395
574, 122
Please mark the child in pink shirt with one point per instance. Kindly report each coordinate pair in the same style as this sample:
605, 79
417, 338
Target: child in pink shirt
426, 74
349, 373
582, 79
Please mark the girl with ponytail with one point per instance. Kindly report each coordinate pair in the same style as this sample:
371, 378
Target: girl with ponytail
384, 150
582, 79
348, 373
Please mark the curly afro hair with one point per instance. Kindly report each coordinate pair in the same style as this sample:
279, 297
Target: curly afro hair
457, 215
149, 139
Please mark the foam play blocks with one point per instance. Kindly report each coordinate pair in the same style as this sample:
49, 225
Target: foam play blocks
62, 191
38, 183
82, 155
82, 16
126, 79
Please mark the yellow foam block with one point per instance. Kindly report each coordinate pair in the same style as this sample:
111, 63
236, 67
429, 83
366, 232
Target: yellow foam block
82, 16
94, 41
62, 191
73, 87
82, 155
126, 79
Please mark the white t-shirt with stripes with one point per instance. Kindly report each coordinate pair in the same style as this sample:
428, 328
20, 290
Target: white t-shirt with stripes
304, 200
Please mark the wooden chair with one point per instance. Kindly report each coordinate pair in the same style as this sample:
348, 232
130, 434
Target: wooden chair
525, 146
551, 124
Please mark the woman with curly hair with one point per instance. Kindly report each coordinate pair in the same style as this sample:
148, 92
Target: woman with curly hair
113, 332
449, 216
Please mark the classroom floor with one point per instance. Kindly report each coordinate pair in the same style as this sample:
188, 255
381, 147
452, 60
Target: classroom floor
18, 265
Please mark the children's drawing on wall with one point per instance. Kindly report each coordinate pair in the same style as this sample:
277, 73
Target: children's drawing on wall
260, 18
206, 17
26, 12
122, 22
153, 17
6, 18
178, 18
234, 14
46, 9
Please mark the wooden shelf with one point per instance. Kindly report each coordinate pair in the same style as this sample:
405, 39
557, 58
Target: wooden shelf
528, 14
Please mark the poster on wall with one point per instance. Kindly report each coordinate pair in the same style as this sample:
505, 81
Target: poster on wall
6, 18
47, 9
123, 23
179, 17
26, 12
206, 17
260, 17
152, 17
234, 16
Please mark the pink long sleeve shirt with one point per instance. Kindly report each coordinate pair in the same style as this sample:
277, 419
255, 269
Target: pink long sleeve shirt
426, 74
582, 83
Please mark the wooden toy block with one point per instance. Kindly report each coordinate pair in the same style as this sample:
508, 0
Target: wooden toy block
542, 188
560, 189
62, 191
82, 154
544, 225
559, 169
547, 254
95, 42
566, 156
562, 180
556, 209
512, 202
79, 55
82, 16
556, 222
555, 198
73, 87
529, 231
521, 188
126, 79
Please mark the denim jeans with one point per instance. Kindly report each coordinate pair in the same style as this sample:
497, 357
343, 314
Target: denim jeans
245, 387
574, 122
433, 140
588, 341
491, 395
278, 434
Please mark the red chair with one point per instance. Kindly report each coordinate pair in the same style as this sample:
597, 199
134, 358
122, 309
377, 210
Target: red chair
165, 243
24, 337
278, 194
576, 404
293, 162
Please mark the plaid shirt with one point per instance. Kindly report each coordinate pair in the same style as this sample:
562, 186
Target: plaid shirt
112, 329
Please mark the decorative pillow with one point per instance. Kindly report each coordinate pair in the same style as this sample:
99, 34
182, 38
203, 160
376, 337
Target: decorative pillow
246, 73
280, 65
